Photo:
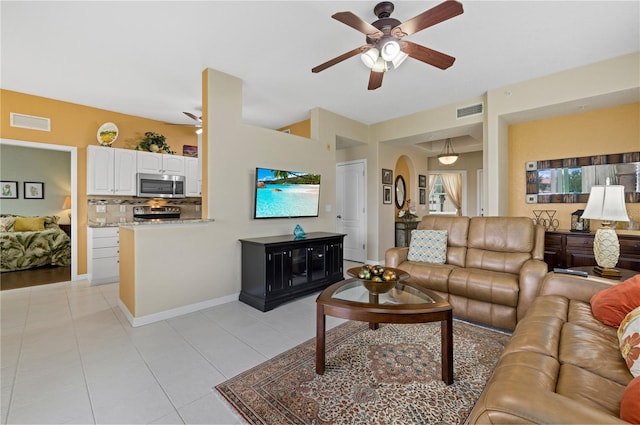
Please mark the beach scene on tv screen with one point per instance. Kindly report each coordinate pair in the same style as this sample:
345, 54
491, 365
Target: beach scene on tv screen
286, 193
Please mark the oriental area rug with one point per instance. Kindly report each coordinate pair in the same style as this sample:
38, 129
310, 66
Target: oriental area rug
388, 376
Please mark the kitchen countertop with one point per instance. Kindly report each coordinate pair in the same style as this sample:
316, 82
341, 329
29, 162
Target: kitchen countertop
153, 222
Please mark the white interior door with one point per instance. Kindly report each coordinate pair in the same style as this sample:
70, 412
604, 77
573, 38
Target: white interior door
350, 208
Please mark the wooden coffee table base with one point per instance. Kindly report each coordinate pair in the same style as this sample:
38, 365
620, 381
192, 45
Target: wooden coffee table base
375, 318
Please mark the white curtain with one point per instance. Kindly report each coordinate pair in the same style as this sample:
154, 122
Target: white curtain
452, 184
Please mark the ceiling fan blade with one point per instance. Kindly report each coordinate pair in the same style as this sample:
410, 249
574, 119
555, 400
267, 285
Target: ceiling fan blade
355, 22
426, 55
375, 80
338, 59
193, 117
435, 15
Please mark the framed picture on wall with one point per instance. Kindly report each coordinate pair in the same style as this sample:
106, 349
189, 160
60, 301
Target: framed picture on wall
387, 176
33, 190
422, 180
9, 189
386, 194
423, 196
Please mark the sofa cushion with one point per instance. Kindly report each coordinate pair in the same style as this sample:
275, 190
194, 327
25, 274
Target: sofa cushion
503, 234
429, 246
483, 285
593, 351
630, 402
457, 229
629, 338
431, 276
611, 305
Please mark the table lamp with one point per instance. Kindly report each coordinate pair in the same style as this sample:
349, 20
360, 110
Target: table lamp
606, 203
66, 205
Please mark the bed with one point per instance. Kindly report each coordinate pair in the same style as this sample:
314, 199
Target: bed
28, 242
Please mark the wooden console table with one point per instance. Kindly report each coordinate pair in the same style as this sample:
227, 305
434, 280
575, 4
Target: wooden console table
565, 249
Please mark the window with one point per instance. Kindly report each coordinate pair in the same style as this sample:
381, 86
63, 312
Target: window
439, 202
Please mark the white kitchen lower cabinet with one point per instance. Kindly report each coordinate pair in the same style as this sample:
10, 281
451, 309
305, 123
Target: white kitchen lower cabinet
103, 252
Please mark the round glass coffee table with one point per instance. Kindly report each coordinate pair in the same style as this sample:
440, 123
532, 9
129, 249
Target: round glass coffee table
403, 303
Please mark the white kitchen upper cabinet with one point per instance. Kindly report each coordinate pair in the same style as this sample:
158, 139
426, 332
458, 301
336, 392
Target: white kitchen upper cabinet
111, 171
192, 177
125, 172
156, 163
100, 170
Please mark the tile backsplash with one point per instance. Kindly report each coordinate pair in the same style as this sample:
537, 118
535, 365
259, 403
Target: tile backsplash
112, 210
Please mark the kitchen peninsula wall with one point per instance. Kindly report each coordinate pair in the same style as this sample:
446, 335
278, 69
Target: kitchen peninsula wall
190, 208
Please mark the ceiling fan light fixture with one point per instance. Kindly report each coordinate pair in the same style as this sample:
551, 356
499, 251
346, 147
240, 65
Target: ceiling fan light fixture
448, 156
390, 50
370, 57
397, 61
380, 65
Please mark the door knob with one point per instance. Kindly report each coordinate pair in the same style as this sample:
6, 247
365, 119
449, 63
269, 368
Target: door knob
339, 216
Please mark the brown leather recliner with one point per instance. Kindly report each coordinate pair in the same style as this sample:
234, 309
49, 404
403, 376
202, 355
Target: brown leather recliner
561, 365
493, 270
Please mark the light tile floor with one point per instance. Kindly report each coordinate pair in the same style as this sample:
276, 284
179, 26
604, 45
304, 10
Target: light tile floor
69, 355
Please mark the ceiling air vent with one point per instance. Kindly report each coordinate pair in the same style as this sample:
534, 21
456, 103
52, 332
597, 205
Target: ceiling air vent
469, 111
30, 122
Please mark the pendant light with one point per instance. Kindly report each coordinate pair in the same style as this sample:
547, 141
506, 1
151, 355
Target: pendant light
448, 156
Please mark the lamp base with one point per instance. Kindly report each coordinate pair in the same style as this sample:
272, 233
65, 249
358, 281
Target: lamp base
607, 272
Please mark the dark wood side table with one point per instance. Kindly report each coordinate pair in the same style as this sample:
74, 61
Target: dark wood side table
66, 228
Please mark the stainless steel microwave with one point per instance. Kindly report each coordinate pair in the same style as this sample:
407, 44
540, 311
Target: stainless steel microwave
160, 186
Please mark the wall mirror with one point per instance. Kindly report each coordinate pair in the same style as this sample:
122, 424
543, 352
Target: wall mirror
570, 180
401, 192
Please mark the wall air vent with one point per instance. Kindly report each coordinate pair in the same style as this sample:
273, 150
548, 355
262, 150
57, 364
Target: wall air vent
30, 122
469, 111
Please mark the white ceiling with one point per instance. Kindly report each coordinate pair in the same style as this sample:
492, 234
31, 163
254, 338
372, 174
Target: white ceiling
146, 58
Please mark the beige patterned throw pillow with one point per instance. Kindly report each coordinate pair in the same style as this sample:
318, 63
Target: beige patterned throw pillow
429, 246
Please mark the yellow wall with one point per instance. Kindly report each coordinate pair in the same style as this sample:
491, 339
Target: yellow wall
77, 125
604, 131
302, 128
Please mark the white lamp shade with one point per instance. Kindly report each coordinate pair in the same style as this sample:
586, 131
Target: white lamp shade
390, 50
447, 159
370, 57
606, 203
380, 65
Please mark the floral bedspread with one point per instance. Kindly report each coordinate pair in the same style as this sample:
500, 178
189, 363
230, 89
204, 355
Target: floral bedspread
25, 250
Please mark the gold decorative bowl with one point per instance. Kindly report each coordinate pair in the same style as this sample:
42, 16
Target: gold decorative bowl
379, 287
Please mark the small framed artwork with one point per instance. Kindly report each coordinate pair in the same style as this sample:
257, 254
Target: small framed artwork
532, 199
9, 189
532, 165
33, 190
423, 196
386, 194
188, 150
422, 180
387, 176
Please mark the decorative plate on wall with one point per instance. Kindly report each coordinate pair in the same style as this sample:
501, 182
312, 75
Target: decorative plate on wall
107, 134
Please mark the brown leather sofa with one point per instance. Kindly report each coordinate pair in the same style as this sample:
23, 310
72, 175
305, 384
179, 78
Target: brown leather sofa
561, 365
494, 267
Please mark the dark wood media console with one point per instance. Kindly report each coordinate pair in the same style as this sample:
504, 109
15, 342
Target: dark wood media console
277, 269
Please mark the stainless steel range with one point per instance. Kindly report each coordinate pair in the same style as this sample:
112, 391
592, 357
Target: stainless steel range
148, 213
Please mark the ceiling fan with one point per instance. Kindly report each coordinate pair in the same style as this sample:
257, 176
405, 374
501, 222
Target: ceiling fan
384, 42
197, 119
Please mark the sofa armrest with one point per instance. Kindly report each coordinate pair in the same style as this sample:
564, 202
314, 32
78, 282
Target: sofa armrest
530, 280
572, 287
510, 403
395, 256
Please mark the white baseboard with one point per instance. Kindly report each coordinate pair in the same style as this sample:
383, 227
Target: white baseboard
174, 312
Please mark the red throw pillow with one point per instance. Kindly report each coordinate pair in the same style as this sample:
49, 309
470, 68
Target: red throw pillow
630, 403
610, 306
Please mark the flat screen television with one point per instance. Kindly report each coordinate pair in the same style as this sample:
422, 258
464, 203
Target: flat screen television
286, 194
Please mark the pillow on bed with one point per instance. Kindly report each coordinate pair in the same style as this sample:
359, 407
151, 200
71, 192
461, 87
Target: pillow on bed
6, 224
28, 224
51, 221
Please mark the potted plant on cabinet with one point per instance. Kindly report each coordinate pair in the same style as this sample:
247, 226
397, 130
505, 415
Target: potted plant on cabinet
154, 142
